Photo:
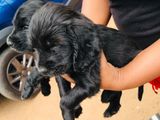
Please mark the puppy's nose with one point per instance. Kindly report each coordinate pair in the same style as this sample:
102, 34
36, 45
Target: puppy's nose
9, 43
42, 69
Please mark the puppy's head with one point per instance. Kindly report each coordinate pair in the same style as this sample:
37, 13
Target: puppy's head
18, 39
63, 39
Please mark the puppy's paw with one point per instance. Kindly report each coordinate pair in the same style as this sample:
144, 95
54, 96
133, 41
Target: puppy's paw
46, 90
26, 93
77, 111
45, 86
111, 110
27, 90
107, 96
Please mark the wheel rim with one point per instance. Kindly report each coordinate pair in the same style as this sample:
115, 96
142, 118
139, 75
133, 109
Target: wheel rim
19, 67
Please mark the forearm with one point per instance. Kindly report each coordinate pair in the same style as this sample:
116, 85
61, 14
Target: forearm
96, 10
142, 69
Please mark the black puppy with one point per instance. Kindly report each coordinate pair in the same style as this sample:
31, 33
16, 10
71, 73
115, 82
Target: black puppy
18, 38
18, 41
67, 42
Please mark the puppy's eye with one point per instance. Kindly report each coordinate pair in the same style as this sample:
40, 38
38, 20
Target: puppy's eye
52, 51
48, 43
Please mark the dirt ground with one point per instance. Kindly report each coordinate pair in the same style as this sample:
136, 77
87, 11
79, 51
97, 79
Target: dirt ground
47, 108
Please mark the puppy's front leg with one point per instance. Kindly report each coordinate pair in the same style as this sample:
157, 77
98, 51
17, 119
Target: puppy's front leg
64, 87
31, 83
45, 86
83, 89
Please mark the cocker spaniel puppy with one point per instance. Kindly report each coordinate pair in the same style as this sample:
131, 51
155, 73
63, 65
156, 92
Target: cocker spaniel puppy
18, 41
18, 38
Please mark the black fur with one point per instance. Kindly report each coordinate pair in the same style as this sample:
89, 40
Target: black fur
67, 42
18, 38
64, 88
19, 41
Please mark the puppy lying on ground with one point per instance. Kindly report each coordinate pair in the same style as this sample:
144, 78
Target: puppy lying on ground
65, 41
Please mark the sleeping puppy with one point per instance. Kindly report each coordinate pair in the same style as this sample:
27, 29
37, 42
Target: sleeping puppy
66, 42
18, 39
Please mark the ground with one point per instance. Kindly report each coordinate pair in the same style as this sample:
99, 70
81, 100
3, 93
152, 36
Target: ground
47, 108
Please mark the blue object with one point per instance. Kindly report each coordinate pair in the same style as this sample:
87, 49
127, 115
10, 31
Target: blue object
60, 1
8, 9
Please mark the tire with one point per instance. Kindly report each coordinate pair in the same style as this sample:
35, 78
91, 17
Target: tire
6, 88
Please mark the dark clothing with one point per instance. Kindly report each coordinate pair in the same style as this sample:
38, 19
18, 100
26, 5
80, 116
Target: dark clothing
139, 19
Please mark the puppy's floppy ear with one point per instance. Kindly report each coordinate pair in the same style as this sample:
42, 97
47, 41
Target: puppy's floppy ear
73, 37
86, 46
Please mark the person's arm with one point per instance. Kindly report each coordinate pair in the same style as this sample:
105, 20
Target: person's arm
96, 10
142, 69
145, 67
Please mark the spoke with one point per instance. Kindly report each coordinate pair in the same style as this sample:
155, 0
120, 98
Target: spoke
24, 60
21, 84
16, 79
10, 78
30, 61
14, 73
17, 65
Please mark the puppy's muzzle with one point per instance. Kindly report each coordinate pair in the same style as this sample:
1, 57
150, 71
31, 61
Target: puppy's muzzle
9, 43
